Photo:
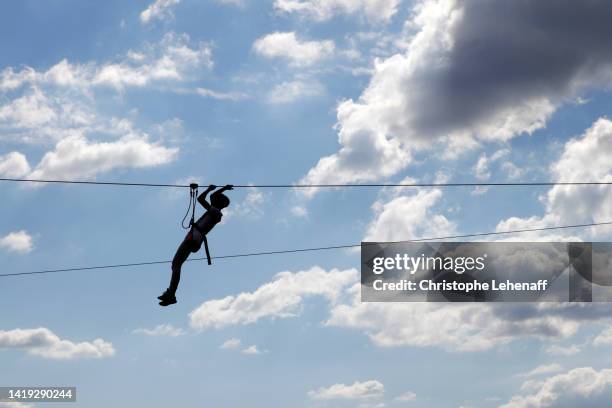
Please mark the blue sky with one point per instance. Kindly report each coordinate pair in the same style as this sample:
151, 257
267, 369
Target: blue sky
287, 91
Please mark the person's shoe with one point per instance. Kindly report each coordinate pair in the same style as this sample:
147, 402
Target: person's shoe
167, 298
166, 293
168, 301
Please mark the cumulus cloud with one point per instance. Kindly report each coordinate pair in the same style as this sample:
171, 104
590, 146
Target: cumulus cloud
159, 10
14, 164
80, 158
482, 168
11, 79
461, 327
28, 111
357, 390
299, 211
557, 350
15, 405
297, 52
35, 117
579, 387
473, 72
251, 350
231, 344
291, 91
542, 369
60, 105
584, 158
238, 3
280, 298
44, 343
603, 338
408, 396
221, 96
374, 10
172, 59
409, 217
252, 205
161, 330
19, 241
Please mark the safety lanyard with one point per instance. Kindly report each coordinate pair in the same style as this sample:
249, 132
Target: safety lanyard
193, 196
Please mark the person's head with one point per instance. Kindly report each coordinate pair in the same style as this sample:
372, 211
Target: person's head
219, 200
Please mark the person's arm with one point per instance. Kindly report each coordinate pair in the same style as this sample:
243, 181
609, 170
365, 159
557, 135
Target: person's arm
225, 188
202, 197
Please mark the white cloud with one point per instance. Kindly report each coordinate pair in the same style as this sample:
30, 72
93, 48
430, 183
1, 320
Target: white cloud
366, 153
19, 241
409, 217
15, 405
297, 52
159, 10
603, 338
11, 80
445, 93
161, 330
234, 343
542, 369
291, 91
299, 211
29, 111
14, 164
231, 344
37, 117
251, 350
44, 343
584, 158
465, 327
557, 350
374, 10
171, 59
357, 390
408, 396
238, 3
78, 156
221, 96
513, 172
579, 387
60, 105
481, 168
252, 205
453, 327
280, 298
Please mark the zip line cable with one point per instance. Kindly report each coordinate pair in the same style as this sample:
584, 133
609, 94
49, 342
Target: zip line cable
96, 183
325, 248
474, 184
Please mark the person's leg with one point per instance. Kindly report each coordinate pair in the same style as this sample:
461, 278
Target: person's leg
182, 253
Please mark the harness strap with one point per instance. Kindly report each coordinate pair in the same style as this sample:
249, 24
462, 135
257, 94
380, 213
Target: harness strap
204, 241
193, 196
206, 249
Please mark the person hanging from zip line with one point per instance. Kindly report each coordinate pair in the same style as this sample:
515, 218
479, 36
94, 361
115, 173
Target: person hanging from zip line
197, 234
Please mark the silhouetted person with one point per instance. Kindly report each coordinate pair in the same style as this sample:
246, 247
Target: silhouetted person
195, 237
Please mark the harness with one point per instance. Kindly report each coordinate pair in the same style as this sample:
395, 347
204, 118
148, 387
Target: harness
193, 196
